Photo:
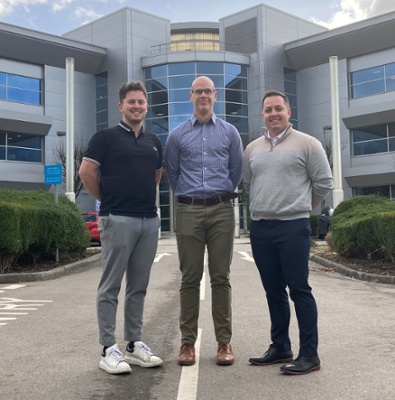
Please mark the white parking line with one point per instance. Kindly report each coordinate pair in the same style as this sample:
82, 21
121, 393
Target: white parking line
187, 389
13, 287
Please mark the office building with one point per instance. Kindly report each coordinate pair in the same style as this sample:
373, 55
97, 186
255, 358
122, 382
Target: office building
245, 54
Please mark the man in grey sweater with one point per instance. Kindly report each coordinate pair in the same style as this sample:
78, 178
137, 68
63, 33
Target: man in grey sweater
287, 174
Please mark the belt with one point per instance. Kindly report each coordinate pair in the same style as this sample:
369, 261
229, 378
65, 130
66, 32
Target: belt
211, 201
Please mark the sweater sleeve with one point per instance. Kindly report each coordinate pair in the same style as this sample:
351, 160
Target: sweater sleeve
319, 172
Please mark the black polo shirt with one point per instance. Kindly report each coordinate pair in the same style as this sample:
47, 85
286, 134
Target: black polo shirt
127, 166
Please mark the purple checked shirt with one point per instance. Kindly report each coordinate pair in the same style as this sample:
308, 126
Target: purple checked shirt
204, 160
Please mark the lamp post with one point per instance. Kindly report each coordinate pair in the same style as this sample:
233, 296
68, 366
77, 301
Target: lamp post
70, 129
338, 195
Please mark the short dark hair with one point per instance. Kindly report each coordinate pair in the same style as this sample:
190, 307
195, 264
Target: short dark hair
271, 93
129, 86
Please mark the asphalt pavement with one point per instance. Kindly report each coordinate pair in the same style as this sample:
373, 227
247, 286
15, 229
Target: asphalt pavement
50, 350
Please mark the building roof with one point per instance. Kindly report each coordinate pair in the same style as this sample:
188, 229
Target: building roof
35, 47
368, 36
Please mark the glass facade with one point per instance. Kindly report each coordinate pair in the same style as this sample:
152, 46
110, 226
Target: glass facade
290, 91
373, 139
386, 191
20, 89
168, 88
370, 81
191, 40
101, 101
21, 147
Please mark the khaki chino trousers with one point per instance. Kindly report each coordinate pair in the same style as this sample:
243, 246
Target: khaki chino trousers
197, 228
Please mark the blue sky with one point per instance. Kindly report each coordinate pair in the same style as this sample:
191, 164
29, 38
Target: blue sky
58, 17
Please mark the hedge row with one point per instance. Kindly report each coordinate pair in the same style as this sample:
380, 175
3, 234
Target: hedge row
32, 227
364, 227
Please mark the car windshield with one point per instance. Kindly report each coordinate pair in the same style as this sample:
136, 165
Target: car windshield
89, 218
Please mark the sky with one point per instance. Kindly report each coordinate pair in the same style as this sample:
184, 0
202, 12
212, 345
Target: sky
60, 16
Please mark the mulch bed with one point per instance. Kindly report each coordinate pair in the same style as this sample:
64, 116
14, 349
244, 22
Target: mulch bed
379, 267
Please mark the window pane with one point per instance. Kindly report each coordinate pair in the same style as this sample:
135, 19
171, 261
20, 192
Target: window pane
182, 69
235, 70
390, 70
368, 89
179, 95
156, 72
370, 133
366, 75
157, 125
154, 85
181, 82
379, 190
157, 111
206, 68
240, 123
23, 82
155, 98
181, 108
236, 96
376, 146
236, 109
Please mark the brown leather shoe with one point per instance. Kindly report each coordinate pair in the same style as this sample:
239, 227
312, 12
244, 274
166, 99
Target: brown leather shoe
225, 354
187, 354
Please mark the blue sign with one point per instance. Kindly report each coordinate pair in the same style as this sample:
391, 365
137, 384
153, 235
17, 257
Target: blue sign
53, 174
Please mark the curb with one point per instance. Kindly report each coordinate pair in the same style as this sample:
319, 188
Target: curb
90, 262
363, 276
54, 273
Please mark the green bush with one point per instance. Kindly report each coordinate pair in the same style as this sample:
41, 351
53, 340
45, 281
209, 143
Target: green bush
32, 227
359, 227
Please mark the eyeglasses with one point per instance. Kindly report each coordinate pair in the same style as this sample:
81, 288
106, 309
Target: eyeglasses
199, 92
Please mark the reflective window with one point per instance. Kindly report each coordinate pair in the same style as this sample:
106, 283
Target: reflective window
290, 90
182, 69
20, 147
385, 191
101, 101
168, 89
21, 89
373, 139
372, 81
209, 68
156, 72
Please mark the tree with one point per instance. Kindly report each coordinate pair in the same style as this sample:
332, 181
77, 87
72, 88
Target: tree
60, 157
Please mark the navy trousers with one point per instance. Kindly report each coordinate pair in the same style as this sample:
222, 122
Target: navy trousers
281, 253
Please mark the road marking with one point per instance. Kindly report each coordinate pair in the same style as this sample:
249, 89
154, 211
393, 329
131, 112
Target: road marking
12, 306
246, 256
187, 389
160, 255
203, 280
13, 287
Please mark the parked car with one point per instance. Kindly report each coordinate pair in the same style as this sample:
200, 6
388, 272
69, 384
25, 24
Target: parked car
92, 223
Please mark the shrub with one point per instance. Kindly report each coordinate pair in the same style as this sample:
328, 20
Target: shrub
32, 227
357, 229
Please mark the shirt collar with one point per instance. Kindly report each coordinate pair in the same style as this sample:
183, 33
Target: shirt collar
213, 118
128, 128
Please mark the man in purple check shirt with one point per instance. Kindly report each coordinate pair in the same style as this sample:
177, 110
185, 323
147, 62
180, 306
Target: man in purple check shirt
204, 158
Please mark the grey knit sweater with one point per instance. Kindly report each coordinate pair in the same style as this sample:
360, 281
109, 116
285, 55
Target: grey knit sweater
286, 181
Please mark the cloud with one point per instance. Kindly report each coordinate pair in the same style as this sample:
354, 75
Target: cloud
348, 11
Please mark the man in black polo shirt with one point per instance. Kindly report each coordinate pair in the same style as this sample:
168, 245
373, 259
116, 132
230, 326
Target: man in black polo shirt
122, 168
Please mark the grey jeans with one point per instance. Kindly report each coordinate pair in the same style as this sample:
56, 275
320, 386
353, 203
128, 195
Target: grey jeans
128, 248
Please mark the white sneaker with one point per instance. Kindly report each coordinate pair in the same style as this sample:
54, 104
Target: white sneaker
142, 356
113, 362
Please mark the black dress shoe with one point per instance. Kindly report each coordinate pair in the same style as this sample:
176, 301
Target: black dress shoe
301, 365
272, 356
